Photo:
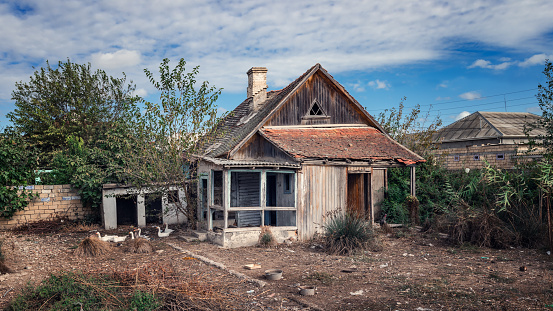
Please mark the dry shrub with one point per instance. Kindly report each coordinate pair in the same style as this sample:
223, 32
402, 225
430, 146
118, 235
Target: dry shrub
476, 226
412, 204
139, 246
266, 237
92, 247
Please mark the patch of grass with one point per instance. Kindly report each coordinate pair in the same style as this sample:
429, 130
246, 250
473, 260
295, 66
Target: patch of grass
323, 277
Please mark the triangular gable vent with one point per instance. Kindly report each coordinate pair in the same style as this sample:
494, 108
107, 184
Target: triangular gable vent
316, 109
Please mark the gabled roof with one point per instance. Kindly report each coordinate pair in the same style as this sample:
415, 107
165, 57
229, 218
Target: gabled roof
354, 143
242, 123
486, 125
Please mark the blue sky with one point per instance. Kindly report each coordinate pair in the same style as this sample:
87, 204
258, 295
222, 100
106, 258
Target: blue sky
455, 57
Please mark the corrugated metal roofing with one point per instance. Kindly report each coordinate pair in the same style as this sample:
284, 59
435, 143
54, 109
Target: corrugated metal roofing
480, 125
356, 143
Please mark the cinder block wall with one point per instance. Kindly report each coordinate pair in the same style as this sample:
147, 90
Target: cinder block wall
53, 201
485, 152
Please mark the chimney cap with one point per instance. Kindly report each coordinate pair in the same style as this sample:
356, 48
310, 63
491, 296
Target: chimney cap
257, 69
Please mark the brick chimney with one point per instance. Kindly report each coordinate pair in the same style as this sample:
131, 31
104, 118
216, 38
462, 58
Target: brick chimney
257, 86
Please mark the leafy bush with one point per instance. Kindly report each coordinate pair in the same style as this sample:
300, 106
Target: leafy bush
17, 160
346, 233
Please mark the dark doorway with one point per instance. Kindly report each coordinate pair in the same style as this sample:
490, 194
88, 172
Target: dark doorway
153, 209
271, 189
359, 195
126, 210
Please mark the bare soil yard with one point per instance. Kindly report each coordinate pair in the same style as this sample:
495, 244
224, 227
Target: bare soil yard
413, 271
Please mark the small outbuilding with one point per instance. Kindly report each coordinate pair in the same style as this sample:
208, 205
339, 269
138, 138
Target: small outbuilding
498, 138
289, 158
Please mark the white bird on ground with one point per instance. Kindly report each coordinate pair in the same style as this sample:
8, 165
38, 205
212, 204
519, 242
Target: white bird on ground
167, 230
106, 238
139, 235
162, 234
132, 235
118, 239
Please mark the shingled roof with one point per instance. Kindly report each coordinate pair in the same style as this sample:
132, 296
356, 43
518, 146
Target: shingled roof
354, 143
243, 122
485, 125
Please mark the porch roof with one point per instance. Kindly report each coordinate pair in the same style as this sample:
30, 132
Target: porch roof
250, 163
355, 143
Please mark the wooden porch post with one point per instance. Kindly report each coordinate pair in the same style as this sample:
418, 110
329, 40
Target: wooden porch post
413, 182
226, 196
263, 195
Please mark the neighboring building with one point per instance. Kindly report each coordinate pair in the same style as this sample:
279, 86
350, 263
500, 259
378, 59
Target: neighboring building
495, 137
288, 158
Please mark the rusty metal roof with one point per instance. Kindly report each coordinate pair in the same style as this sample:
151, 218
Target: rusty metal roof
355, 143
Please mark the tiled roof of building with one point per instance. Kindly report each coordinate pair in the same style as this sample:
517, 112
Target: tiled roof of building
480, 125
354, 143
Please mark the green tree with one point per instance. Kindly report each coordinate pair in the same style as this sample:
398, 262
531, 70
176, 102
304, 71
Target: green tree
18, 162
70, 99
172, 132
413, 129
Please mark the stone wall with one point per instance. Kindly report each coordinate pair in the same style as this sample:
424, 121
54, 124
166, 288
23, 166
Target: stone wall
53, 201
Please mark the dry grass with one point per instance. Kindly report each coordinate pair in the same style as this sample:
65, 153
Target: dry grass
92, 247
139, 246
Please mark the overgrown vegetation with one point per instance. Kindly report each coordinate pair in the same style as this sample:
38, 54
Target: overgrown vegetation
78, 291
344, 234
148, 287
87, 128
487, 207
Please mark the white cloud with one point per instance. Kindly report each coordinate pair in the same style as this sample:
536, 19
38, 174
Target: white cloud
116, 60
538, 59
461, 115
379, 85
488, 65
443, 98
444, 84
470, 95
288, 36
140, 92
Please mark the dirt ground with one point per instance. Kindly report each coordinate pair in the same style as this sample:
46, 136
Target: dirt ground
413, 271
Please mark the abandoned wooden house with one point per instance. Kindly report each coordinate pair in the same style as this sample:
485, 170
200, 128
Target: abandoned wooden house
287, 158
497, 138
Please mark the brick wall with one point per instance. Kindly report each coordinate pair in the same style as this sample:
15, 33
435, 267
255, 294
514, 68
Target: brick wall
463, 157
53, 201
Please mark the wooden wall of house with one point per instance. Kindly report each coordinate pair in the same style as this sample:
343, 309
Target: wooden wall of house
321, 189
259, 148
379, 185
332, 101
